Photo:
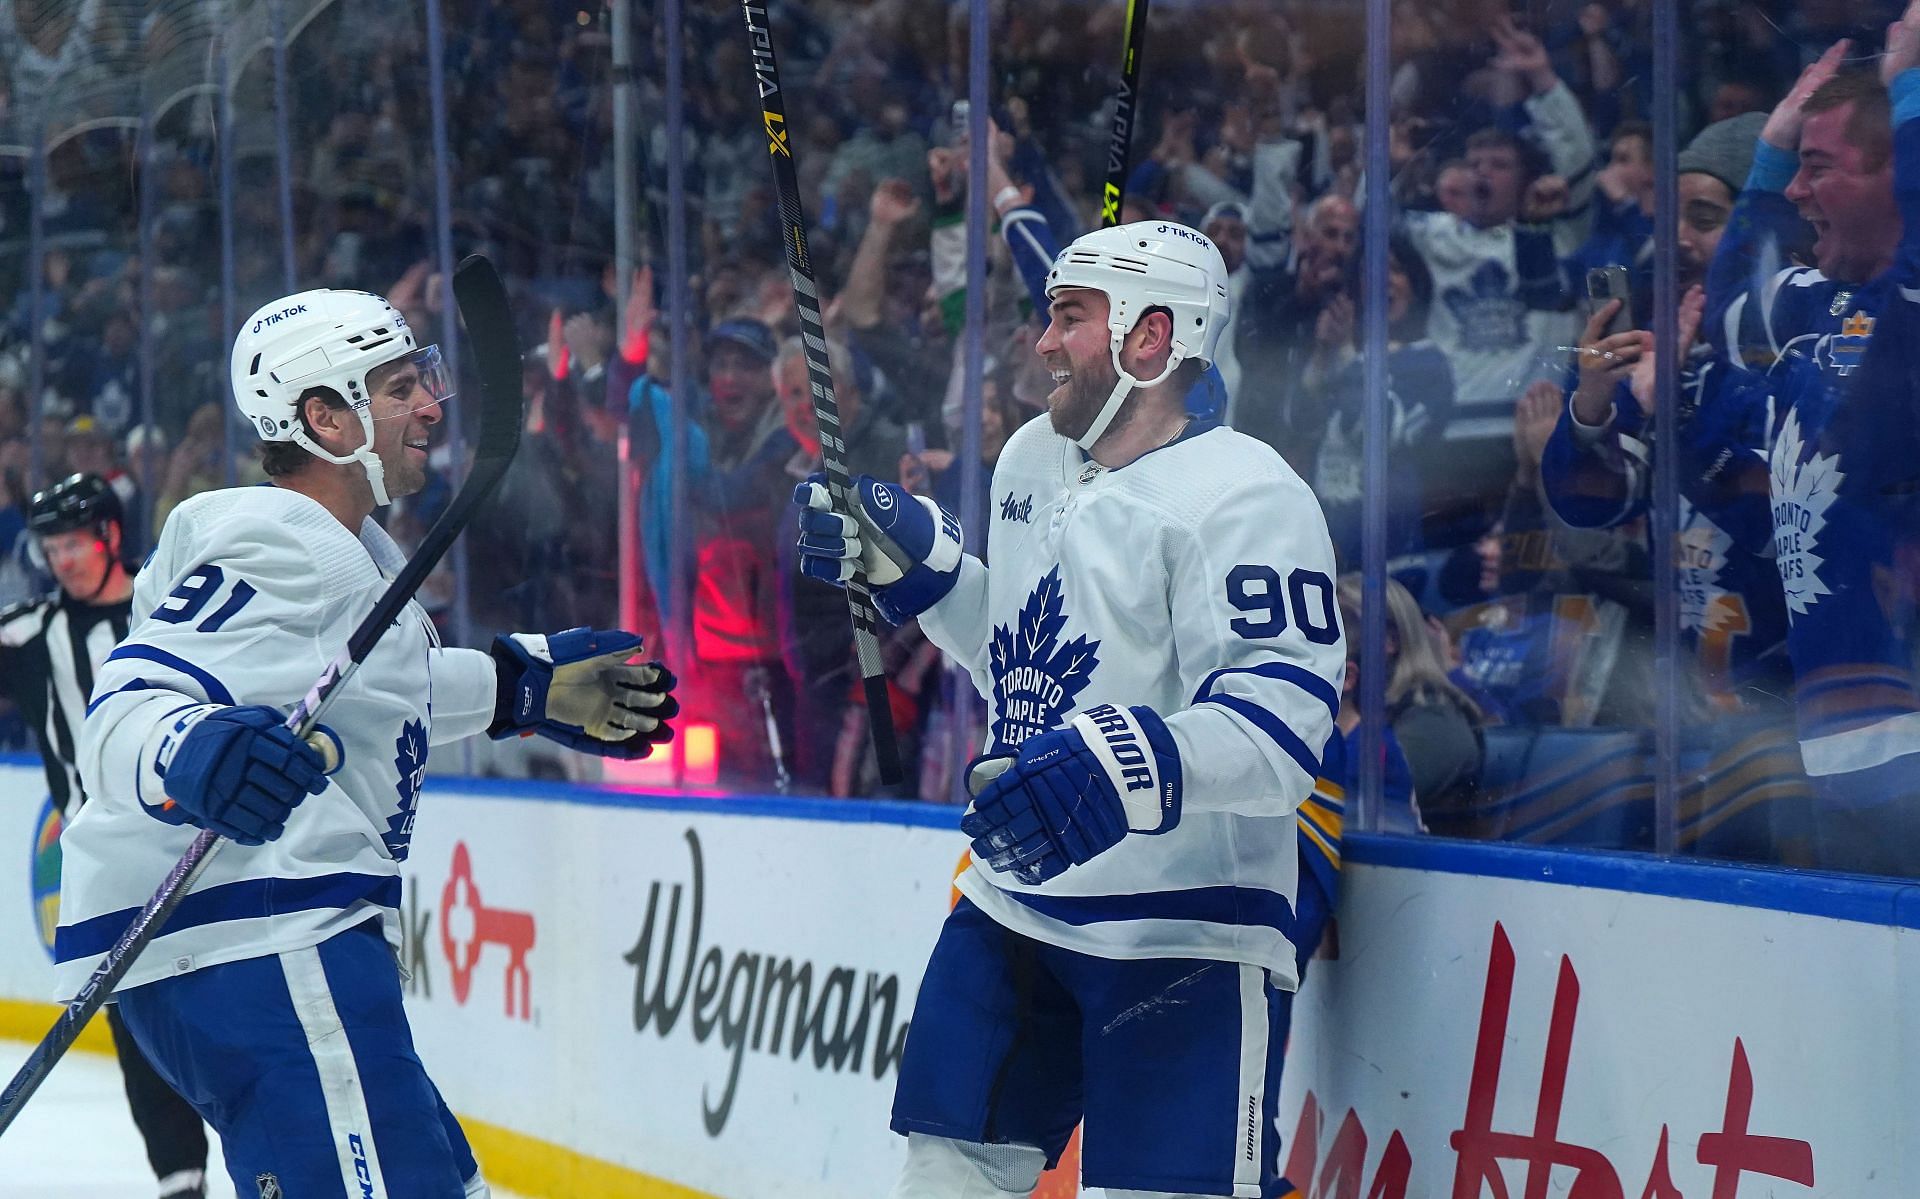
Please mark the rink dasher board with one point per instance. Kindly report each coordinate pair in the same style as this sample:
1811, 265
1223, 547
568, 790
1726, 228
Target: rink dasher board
1658, 971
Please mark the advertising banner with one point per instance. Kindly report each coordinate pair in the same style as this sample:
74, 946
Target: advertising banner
1480, 1036
715, 1000
661, 996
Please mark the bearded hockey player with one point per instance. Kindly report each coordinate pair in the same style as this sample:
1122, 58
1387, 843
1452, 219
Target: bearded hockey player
1159, 643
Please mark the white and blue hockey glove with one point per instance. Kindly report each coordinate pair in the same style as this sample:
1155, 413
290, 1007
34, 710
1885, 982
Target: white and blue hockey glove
579, 688
908, 547
1072, 793
241, 772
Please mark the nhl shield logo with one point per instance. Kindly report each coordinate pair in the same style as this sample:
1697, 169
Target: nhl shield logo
1036, 677
269, 1187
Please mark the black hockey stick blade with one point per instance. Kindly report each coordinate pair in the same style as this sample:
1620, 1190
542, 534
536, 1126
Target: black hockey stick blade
483, 305
826, 409
1126, 111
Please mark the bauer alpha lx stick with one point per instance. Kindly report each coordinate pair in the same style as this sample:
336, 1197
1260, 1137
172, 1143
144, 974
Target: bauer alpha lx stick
826, 410
1126, 110
483, 304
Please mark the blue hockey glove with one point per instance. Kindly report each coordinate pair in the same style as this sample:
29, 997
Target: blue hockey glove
579, 689
241, 772
1072, 793
908, 547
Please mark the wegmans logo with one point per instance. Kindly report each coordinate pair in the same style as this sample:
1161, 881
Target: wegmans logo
829, 1017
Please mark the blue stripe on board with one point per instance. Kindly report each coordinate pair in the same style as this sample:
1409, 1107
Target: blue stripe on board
1778, 889
783, 807
1805, 892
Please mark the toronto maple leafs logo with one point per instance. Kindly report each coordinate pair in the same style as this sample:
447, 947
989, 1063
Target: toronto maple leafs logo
1490, 316
1035, 677
410, 759
1804, 485
1700, 553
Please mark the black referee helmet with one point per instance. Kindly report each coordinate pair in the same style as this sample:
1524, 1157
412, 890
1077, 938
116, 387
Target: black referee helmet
76, 502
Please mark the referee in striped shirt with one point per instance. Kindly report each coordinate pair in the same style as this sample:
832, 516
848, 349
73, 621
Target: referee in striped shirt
49, 648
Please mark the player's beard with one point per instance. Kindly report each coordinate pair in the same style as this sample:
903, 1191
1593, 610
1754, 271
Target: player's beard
1087, 391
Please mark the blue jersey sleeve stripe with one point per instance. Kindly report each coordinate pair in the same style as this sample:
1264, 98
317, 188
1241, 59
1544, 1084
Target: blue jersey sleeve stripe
216, 690
248, 899
1210, 905
1287, 672
1273, 727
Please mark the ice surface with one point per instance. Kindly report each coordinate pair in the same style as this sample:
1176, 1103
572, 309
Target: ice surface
75, 1140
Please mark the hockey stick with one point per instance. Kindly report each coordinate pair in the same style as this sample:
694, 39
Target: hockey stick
1126, 108
826, 410
483, 303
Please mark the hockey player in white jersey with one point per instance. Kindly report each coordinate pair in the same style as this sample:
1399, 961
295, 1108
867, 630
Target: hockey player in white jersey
271, 999
1158, 640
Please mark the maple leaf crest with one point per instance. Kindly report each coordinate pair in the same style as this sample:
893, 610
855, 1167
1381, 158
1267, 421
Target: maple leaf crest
410, 760
1701, 549
1036, 678
1802, 492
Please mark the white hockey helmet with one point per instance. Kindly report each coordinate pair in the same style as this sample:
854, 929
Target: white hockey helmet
331, 339
1148, 264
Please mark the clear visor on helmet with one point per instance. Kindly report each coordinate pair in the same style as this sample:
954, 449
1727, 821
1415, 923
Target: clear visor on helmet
408, 384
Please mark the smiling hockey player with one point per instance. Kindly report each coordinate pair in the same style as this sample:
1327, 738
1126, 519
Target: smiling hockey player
271, 999
1159, 643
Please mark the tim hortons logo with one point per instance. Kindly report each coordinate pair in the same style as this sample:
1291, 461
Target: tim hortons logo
1481, 1153
468, 926
763, 1000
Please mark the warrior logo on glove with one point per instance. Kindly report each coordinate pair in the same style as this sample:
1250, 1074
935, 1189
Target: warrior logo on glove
1073, 793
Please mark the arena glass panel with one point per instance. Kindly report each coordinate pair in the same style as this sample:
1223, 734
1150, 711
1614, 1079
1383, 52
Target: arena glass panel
771, 694
362, 126
85, 73
1795, 560
1507, 638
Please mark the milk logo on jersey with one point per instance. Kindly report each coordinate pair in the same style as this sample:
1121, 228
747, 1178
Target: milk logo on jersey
410, 760
1020, 510
1036, 677
1804, 484
1844, 351
1490, 316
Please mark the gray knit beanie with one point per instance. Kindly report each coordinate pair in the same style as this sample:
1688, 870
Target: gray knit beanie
1724, 150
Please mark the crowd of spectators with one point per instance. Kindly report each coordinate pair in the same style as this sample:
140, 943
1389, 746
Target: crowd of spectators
1521, 158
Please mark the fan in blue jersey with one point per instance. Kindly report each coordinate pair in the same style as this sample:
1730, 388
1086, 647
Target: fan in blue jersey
1597, 472
1842, 152
271, 999
1159, 645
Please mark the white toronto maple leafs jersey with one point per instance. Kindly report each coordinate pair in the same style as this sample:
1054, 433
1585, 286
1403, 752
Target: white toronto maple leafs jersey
250, 594
1196, 581
1497, 309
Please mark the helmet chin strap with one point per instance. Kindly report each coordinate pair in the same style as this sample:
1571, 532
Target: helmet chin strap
1118, 395
368, 460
